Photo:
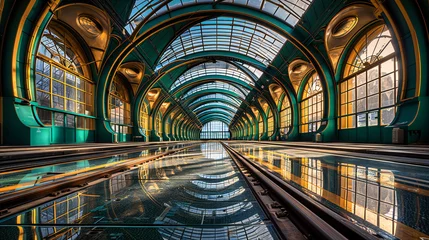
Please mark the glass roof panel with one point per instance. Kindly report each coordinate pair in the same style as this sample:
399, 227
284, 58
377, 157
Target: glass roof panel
211, 68
216, 85
289, 11
226, 34
141, 9
258, 73
219, 96
214, 104
215, 110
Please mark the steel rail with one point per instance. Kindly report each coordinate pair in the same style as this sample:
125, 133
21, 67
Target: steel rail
23, 154
22, 164
311, 217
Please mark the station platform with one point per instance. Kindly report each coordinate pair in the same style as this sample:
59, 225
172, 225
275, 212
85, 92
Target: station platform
412, 154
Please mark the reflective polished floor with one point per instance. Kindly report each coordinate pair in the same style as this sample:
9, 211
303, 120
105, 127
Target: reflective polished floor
375, 194
195, 194
11, 181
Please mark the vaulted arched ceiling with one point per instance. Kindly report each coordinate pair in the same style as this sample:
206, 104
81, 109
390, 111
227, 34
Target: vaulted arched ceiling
234, 52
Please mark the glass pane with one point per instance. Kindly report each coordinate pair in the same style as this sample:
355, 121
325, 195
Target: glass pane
387, 82
351, 108
373, 102
59, 119
45, 116
71, 105
58, 88
71, 92
373, 118
70, 121
387, 115
43, 67
70, 79
351, 95
361, 120
373, 73
58, 74
43, 83
361, 92
388, 67
373, 87
43, 99
58, 102
361, 79
387, 98
361, 105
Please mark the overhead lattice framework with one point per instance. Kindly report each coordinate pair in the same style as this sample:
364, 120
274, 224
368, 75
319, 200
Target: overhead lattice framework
221, 80
216, 96
226, 34
289, 11
215, 104
212, 68
216, 85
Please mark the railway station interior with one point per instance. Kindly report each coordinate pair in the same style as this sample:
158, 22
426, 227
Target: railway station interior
214, 119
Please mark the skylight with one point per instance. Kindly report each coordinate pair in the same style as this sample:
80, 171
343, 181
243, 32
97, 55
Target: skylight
216, 85
217, 96
226, 34
215, 104
218, 68
289, 11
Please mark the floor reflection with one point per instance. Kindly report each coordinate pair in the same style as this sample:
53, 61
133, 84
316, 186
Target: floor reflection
378, 195
197, 194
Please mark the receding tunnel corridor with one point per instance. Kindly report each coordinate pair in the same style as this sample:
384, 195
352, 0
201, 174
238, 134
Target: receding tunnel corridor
214, 119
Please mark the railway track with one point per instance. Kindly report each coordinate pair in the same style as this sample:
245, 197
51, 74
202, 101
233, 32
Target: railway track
34, 162
314, 220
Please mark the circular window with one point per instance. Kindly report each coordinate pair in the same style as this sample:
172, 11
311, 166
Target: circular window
299, 68
345, 26
131, 72
90, 25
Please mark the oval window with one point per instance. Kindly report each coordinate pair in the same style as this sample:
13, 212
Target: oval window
344, 26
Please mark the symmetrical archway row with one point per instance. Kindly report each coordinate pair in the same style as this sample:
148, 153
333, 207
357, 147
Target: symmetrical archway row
239, 70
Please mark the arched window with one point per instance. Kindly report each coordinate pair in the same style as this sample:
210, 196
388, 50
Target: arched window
158, 123
261, 125
369, 88
173, 128
119, 105
62, 82
215, 130
167, 126
144, 118
285, 116
270, 121
312, 105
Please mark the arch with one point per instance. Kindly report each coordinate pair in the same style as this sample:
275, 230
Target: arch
144, 119
368, 88
120, 108
311, 104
